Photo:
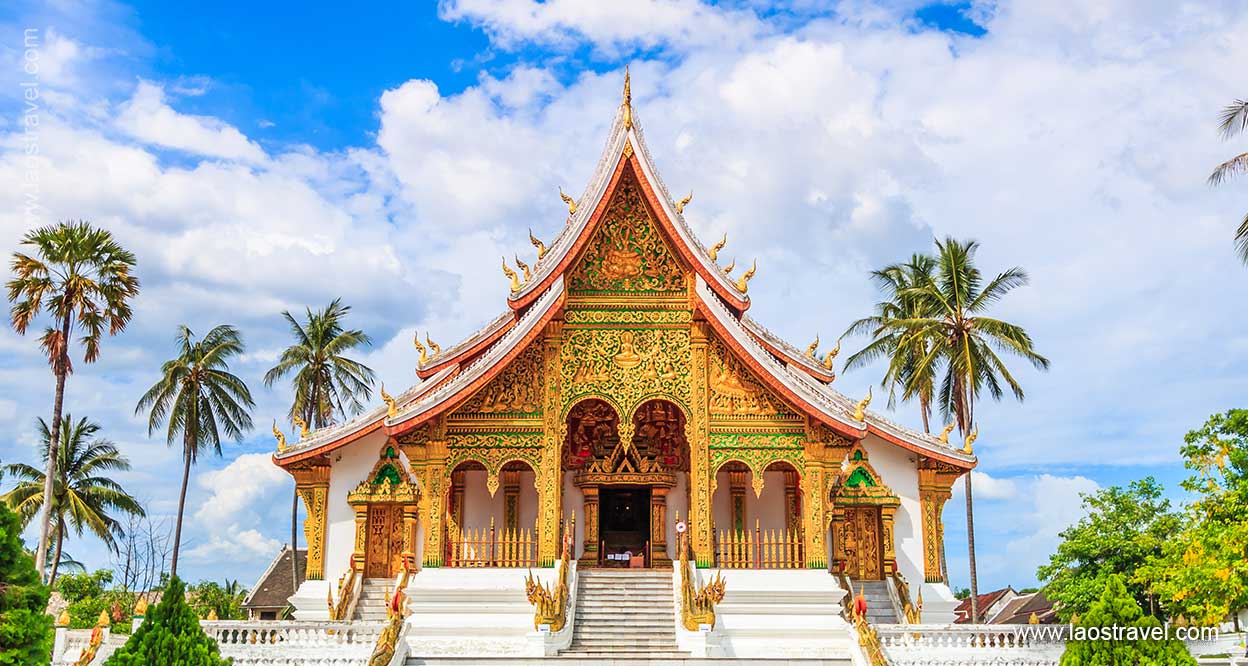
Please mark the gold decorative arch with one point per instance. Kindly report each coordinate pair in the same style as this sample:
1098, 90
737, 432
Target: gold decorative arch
388, 497
859, 492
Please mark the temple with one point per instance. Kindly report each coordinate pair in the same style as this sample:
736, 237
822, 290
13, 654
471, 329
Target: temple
624, 403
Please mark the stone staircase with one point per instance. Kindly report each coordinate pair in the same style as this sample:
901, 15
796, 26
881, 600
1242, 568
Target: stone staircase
624, 614
372, 603
880, 608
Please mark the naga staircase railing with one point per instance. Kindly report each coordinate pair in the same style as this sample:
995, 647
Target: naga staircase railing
868, 639
550, 605
697, 602
911, 608
348, 593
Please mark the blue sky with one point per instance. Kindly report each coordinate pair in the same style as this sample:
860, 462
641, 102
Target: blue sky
265, 157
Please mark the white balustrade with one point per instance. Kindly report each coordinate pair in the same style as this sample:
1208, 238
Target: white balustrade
968, 645
292, 634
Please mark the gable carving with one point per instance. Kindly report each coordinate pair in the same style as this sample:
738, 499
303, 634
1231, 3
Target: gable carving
515, 391
735, 391
627, 252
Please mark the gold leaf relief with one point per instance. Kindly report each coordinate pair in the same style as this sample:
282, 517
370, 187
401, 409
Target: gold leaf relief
517, 390
735, 391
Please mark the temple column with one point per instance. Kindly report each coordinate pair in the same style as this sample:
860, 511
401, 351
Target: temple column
432, 500
736, 488
511, 501
550, 476
839, 558
590, 553
312, 486
935, 488
887, 513
457, 496
658, 527
361, 537
410, 516
792, 502
698, 434
814, 517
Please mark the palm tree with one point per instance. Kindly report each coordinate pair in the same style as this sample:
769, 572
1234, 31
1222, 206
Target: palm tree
962, 345
200, 400
326, 382
1234, 120
904, 354
82, 496
83, 277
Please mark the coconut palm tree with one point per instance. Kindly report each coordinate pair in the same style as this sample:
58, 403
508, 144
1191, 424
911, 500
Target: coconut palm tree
82, 496
962, 346
904, 354
201, 401
326, 383
82, 276
1233, 121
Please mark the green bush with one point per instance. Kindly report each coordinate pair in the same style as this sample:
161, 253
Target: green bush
76, 587
169, 636
84, 613
25, 631
1117, 609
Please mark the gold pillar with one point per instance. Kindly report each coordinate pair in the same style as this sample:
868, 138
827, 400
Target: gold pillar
511, 500
361, 537
887, 514
814, 516
739, 522
839, 563
934, 490
312, 486
433, 499
457, 496
590, 554
792, 502
658, 527
410, 515
698, 434
550, 476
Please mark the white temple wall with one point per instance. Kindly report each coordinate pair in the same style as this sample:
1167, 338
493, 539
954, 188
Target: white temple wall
899, 469
479, 507
348, 467
766, 511
574, 500
677, 500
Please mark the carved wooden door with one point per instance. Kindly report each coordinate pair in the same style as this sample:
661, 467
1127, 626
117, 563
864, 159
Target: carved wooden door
863, 556
385, 541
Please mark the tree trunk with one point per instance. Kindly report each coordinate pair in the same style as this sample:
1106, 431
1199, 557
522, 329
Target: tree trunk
56, 556
186, 475
60, 366
970, 547
294, 538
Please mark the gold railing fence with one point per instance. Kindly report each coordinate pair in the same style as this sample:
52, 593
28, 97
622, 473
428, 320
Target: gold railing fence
760, 549
491, 547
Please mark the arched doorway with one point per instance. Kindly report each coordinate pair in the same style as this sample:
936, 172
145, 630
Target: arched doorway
862, 521
757, 518
624, 476
385, 505
491, 518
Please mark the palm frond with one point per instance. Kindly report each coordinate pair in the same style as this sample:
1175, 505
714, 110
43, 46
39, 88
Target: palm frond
1233, 119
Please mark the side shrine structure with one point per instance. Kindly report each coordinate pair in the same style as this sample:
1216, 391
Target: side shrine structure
624, 391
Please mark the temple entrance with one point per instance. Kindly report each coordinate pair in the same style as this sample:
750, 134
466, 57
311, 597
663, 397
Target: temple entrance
383, 553
863, 554
624, 527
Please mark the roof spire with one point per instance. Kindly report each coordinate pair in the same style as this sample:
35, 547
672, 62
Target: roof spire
628, 101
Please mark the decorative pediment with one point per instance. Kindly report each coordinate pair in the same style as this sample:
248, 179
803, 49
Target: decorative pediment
516, 391
735, 391
627, 253
387, 482
860, 483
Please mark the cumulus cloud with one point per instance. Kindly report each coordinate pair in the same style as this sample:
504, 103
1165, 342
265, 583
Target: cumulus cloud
148, 117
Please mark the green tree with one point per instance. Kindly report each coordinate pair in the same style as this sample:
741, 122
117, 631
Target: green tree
1202, 572
1233, 121
83, 496
25, 631
1116, 610
1122, 529
82, 276
225, 598
326, 383
169, 636
201, 401
905, 353
948, 318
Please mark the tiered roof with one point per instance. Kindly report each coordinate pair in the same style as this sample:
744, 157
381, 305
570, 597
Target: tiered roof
455, 374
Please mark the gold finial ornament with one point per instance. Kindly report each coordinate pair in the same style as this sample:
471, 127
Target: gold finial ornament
860, 411
568, 200
281, 438
303, 426
944, 434
680, 205
742, 282
970, 441
140, 609
424, 353
731, 265
714, 251
392, 409
434, 349
628, 101
810, 351
541, 247
827, 360
1033, 618
528, 275
62, 620
212, 615
511, 275
104, 621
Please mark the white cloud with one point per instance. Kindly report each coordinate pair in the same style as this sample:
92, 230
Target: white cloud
148, 117
235, 491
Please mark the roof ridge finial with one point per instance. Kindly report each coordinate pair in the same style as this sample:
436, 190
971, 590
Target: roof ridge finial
628, 100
